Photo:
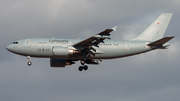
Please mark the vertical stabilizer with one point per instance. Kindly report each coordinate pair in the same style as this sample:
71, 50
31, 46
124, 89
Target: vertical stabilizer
156, 30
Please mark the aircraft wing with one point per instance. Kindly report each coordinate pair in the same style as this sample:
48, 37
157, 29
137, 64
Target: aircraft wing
95, 40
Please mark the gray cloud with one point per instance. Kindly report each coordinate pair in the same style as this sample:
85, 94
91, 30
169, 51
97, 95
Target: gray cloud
150, 76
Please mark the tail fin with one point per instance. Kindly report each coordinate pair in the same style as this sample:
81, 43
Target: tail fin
157, 29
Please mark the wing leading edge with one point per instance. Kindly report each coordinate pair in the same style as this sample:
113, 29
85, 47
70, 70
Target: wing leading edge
96, 39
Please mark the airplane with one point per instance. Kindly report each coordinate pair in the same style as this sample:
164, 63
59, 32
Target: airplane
65, 52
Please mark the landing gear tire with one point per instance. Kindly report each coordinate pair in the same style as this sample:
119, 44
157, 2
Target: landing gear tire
29, 63
85, 67
80, 68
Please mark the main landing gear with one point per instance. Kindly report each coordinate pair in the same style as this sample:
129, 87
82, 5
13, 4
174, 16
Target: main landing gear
85, 67
29, 61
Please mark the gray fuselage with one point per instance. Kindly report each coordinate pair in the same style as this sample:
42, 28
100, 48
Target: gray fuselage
43, 48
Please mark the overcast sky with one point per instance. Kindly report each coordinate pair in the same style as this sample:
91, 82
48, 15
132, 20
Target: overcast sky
153, 76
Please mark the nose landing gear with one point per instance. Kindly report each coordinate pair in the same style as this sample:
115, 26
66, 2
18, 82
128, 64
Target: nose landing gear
29, 61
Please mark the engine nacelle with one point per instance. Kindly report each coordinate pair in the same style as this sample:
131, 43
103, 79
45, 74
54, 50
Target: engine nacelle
56, 62
63, 51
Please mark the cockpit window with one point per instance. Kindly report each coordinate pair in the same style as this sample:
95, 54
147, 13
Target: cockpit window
14, 42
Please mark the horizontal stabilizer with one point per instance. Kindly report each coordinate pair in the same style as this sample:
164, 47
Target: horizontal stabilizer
161, 41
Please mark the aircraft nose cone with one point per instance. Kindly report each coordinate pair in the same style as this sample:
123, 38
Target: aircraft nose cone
8, 48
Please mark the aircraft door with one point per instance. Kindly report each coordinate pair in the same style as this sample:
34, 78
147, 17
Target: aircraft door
128, 45
27, 43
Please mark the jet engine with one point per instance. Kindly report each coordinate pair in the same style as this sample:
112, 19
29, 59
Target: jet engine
56, 62
63, 51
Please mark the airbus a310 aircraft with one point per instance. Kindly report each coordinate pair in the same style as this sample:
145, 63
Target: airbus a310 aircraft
64, 52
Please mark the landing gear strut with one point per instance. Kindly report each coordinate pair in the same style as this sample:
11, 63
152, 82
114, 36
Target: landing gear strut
82, 62
85, 67
29, 61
